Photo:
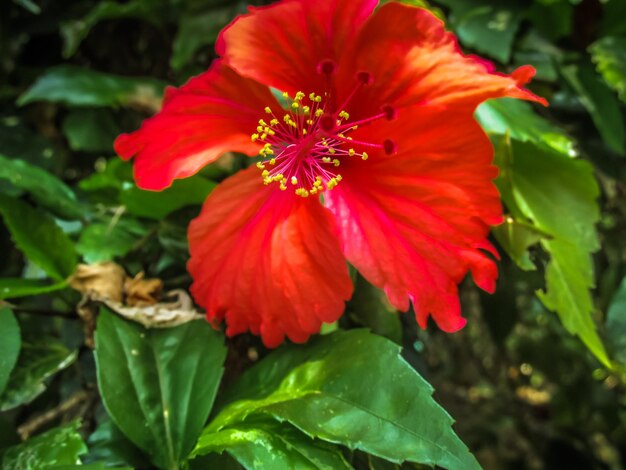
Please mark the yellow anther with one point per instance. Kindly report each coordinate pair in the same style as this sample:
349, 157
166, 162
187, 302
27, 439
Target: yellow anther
319, 112
299, 96
304, 132
272, 161
312, 96
344, 115
268, 110
351, 152
287, 118
263, 136
306, 109
313, 190
364, 156
267, 181
326, 159
295, 105
341, 135
262, 122
294, 180
318, 99
302, 192
331, 183
265, 173
283, 187
309, 122
332, 151
336, 162
255, 137
259, 128
260, 165
274, 122
285, 94
338, 178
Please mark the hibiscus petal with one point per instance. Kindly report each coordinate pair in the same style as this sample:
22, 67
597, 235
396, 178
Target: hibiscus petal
281, 45
413, 60
267, 261
415, 223
213, 113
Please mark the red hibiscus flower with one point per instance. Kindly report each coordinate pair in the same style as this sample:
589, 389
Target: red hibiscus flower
372, 155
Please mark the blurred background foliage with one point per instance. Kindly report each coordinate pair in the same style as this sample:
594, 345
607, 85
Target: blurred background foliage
528, 388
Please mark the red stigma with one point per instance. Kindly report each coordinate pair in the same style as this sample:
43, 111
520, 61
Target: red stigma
326, 67
390, 147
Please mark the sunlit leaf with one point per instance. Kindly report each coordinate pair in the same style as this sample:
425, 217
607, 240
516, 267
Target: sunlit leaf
264, 444
319, 388
517, 119
158, 385
516, 237
103, 242
557, 194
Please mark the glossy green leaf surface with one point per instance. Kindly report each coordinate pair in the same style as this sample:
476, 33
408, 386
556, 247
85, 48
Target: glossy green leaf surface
516, 237
9, 346
75, 86
11, 288
558, 195
46, 189
55, 448
158, 385
39, 238
325, 390
518, 119
37, 361
266, 445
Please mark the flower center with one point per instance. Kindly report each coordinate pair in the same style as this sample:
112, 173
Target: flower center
304, 148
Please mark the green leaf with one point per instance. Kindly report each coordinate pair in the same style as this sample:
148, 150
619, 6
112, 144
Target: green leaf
55, 448
370, 308
351, 388
157, 205
616, 323
46, 189
39, 238
75, 86
91, 130
600, 102
516, 237
517, 119
158, 385
264, 444
74, 32
200, 28
103, 242
487, 27
11, 288
37, 361
9, 346
609, 55
557, 195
